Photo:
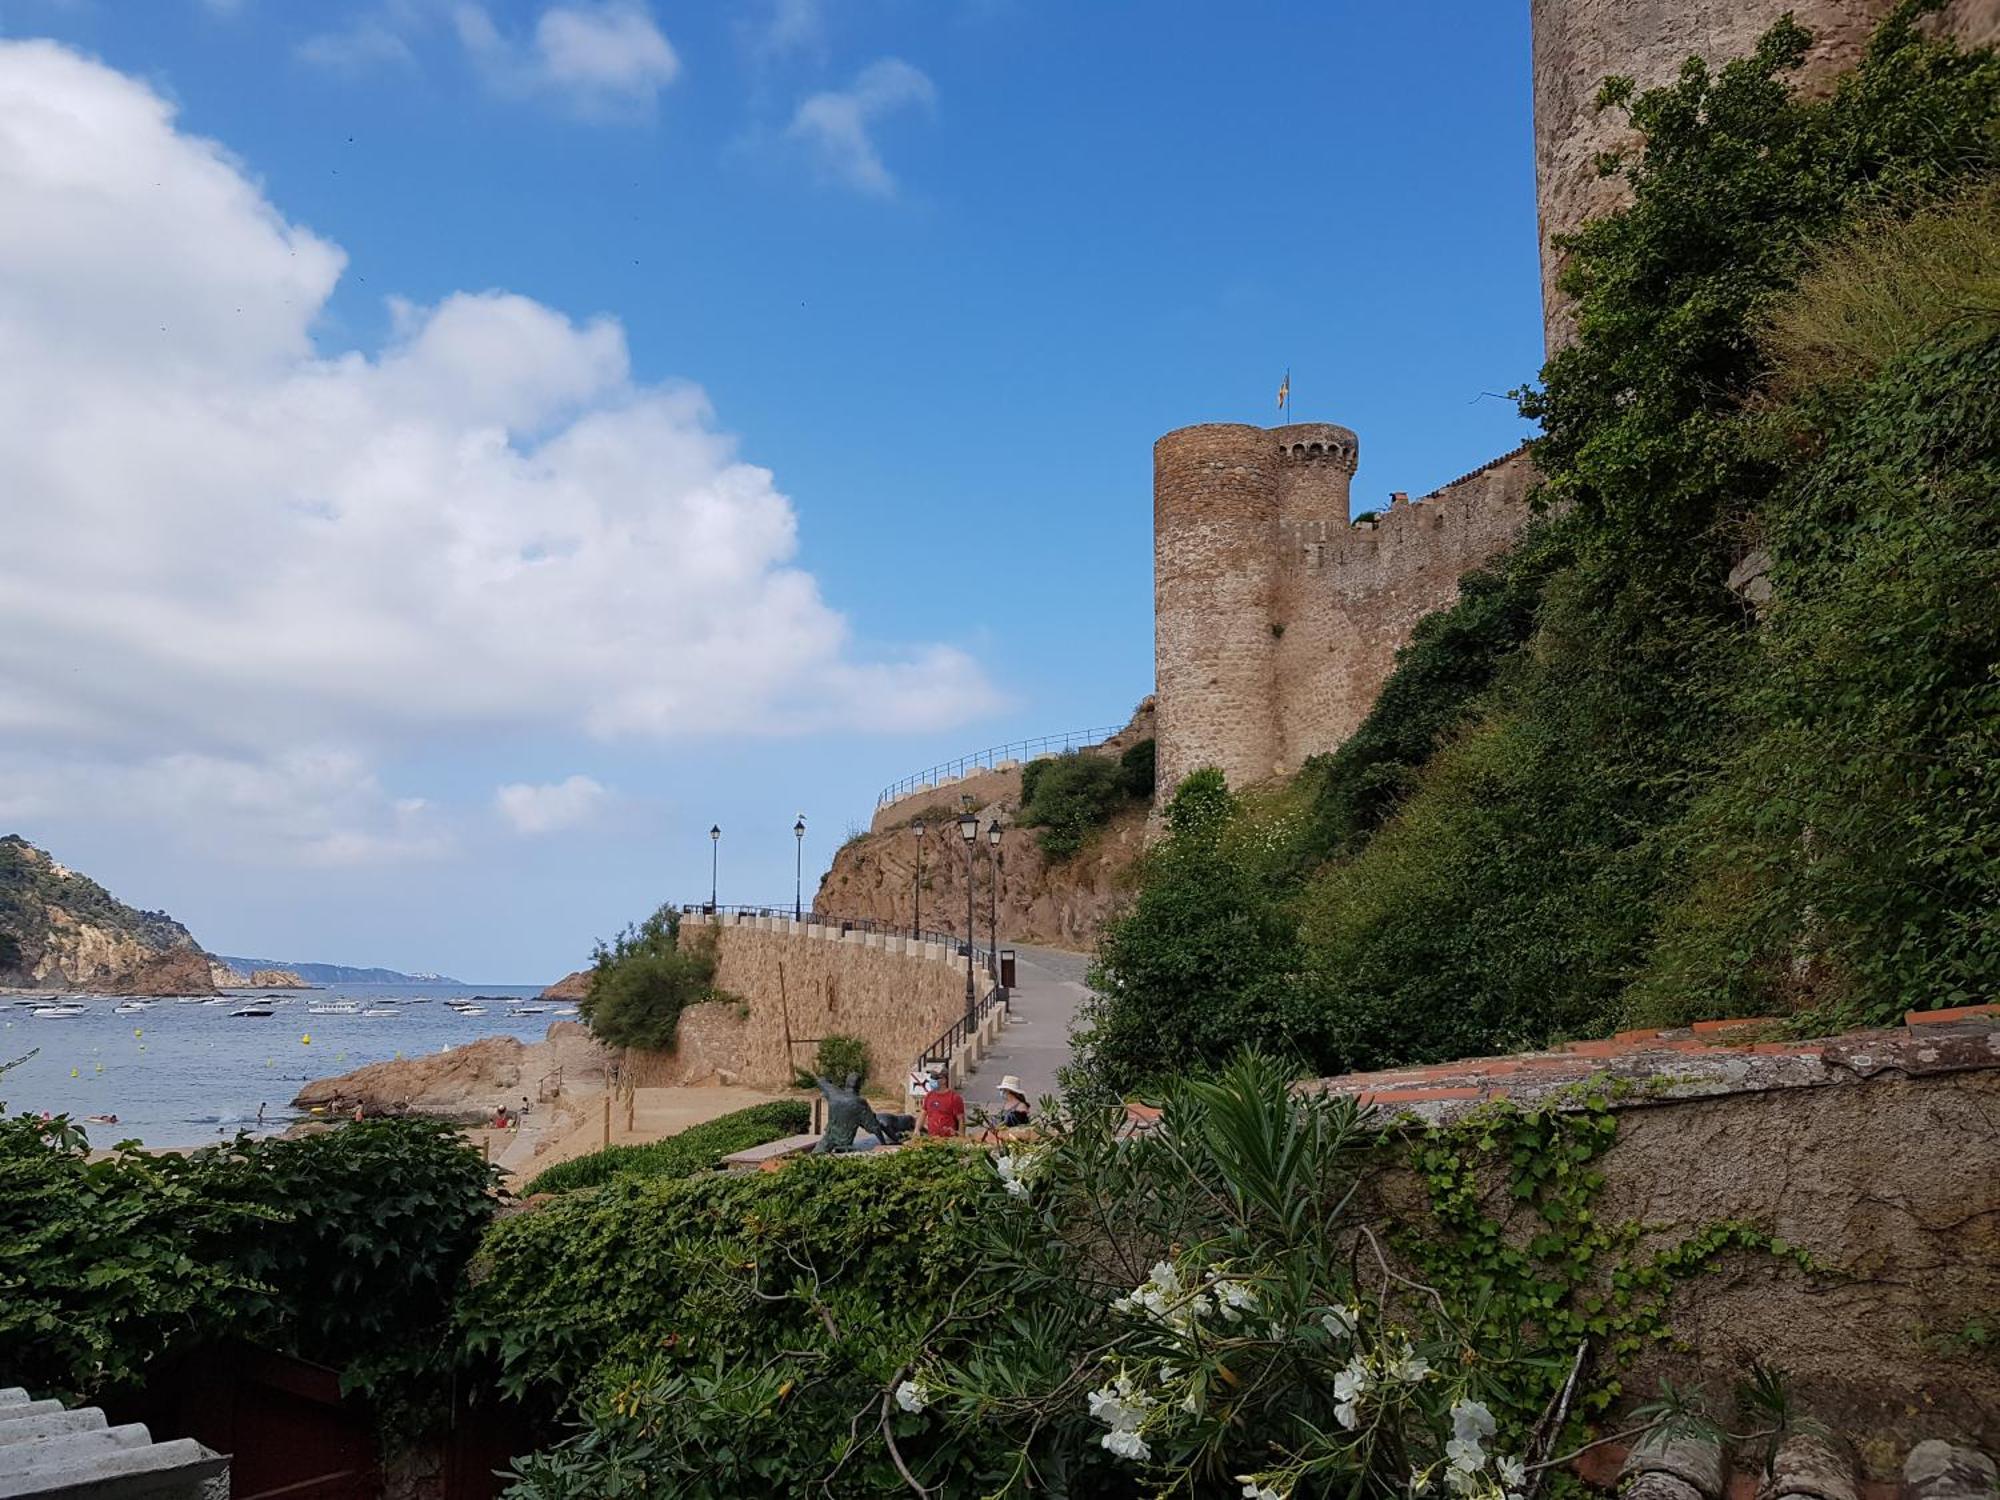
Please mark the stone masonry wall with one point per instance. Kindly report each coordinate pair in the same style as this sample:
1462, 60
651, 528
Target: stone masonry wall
1276, 620
1578, 43
806, 980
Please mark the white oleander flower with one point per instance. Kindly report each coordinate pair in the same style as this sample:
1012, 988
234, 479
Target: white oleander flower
1420, 1481
1252, 1490
1126, 1444
1465, 1455
1408, 1366
1348, 1415
913, 1395
1234, 1298
1017, 1170
1471, 1422
1353, 1382
1340, 1321
1513, 1473
1461, 1482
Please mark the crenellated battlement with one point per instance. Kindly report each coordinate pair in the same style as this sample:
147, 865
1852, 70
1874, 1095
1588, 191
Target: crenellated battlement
1277, 618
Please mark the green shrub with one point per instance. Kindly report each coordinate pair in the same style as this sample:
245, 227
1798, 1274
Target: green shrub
644, 979
342, 1247
696, 1149
1202, 964
839, 1055
1138, 767
1069, 797
821, 1280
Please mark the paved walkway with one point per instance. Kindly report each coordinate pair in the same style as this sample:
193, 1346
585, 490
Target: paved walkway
1048, 989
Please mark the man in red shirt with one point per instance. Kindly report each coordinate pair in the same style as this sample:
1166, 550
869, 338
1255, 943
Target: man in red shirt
944, 1106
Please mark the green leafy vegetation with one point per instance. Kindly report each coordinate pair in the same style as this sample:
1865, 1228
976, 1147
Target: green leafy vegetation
1604, 787
837, 1056
342, 1247
699, 1148
642, 981
1188, 1311
725, 1329
1070, 796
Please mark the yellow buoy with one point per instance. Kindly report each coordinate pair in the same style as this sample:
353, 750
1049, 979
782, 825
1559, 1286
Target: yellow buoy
137, 1032
100, 1067
306, 1040
72, 1072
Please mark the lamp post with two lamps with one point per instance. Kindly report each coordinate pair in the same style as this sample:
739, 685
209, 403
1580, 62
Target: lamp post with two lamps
714, 854
917, 906
993, 903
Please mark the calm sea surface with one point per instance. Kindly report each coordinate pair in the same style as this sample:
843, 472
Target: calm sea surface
179, 1074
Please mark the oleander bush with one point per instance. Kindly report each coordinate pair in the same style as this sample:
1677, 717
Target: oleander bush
699, 1148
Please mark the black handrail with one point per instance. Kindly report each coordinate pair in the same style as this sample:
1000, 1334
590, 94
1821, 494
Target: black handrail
960, 1031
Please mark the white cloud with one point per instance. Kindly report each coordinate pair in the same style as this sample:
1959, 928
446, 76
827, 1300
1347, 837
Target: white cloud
224, 548
837, 124
551, 807
370, 42
790, 26
600, 57
309, 806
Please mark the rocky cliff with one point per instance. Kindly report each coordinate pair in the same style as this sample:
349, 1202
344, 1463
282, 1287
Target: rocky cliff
63, 931
1058, 904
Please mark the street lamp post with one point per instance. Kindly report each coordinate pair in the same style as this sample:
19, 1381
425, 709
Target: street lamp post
714, 852
993, 902
968, 830
799, 869
917, 907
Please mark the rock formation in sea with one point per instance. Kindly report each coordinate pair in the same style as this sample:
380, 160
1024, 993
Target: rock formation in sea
570, 987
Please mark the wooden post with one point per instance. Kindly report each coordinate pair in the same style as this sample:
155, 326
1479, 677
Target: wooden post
607, 1117
631, 1108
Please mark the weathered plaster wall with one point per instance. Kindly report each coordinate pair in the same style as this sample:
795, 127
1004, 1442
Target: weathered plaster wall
1276, 621
806, 980
1578, 43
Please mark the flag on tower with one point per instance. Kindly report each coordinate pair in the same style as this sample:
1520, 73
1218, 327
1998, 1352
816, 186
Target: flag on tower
1285, 391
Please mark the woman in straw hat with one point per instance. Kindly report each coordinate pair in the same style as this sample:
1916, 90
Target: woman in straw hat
1013, 1101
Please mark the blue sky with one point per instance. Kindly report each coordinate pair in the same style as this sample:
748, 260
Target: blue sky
944, 270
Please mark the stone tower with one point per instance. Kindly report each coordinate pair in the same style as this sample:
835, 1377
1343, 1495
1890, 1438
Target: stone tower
1578, 43
1225, 498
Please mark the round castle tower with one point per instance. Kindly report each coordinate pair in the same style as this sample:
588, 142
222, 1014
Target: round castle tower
1229, 502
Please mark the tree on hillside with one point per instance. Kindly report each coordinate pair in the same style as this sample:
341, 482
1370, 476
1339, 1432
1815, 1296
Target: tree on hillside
644, 978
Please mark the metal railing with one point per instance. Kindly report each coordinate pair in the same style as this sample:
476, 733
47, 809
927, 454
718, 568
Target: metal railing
987, 759
961, 1031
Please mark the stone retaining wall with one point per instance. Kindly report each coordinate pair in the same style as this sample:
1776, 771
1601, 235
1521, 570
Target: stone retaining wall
803, 981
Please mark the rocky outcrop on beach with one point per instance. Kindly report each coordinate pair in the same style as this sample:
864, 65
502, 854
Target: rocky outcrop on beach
471, 1081
277, 979
60, 930
570, 987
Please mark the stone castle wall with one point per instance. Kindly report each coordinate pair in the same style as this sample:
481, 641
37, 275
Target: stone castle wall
1578, 43
805, 981
1276, 620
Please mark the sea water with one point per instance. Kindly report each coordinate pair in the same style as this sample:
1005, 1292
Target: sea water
180, 1074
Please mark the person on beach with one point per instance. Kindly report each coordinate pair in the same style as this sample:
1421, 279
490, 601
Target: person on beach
944, 1106
260, 1114
500, 1118
1013, 1102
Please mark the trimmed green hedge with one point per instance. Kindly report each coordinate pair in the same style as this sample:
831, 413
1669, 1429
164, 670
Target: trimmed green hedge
695, 1149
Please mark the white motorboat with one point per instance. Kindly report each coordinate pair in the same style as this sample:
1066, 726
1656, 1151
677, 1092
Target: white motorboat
131, 1008
564, 1010
379, 1010
530, 1010
470, 1010
335, 1008
56, 1012
190, 1000
253, 1010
